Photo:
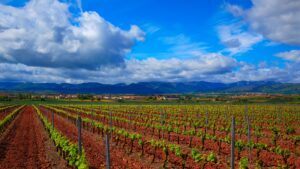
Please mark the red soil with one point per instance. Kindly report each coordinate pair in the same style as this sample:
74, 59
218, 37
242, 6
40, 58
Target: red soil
25, 144
270, 159
5, 112
94, 146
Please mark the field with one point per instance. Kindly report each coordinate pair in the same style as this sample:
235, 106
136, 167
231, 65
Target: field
149, 136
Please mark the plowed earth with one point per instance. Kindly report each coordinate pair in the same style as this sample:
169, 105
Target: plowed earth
25, 144
5, 112
94, 146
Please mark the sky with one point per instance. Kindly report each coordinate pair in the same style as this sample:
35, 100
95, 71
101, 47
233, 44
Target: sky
117, 41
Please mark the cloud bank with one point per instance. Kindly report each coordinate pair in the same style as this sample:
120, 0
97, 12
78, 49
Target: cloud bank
53, 45
151, 69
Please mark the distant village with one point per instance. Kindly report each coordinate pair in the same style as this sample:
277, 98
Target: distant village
88, 97
254, 97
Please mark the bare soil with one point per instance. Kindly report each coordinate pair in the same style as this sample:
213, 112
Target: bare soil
25, 144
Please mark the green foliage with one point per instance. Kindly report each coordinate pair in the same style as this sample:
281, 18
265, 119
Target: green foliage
180, 121
134, 136
290, 130
243, 163
260, 146
296, 139
175, 149
227, 139
196, 124
9, 117
169, 128
85, 96
192, 132
283, 152
141, 142
275, 130
251, 144
211, 157
240, 145
73, 157
259, 164
196, 155
5, 98
153, 143
211, 137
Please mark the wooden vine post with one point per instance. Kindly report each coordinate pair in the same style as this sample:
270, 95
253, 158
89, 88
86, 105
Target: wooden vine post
206, 121
249, 138
110, 123
107, 152
232, 142
52, 119
79, 135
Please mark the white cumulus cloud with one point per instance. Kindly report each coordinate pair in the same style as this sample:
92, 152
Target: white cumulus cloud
293, 55
277, 20
45, 34
236, 40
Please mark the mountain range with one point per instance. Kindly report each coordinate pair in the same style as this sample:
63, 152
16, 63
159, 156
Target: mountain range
147, 88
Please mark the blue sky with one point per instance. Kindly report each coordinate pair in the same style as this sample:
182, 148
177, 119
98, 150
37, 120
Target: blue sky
197, 20
115, 41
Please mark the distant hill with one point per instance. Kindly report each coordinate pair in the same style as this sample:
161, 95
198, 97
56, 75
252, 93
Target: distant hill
153, 87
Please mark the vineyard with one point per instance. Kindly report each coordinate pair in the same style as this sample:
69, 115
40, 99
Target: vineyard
149, 136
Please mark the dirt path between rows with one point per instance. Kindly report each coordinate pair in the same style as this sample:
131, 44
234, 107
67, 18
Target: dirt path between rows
94, 146
5, 112
25, 144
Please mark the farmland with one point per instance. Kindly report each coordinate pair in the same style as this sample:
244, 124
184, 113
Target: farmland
149, 136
